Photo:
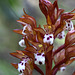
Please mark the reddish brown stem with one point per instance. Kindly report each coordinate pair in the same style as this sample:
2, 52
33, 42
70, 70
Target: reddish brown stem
56, 67
38, 69
55, 71
59, 49
48, 62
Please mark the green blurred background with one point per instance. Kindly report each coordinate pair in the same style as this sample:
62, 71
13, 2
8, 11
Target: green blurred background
10, 11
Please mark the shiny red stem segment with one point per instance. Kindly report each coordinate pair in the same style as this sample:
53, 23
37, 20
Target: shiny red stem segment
48, 62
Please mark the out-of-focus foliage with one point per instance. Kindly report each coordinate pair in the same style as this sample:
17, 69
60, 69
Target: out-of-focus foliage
10, 11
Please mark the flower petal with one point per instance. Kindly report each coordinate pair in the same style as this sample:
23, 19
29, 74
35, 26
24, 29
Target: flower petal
31, 49
40, 30
15, 65
42, 7
19, 31
17, 55
29, 54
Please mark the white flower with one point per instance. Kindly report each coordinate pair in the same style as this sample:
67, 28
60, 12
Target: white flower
62, 69
24, 28
28, 27
69, 26
39, 58
22, 43
48, 38
21, 66
61, 35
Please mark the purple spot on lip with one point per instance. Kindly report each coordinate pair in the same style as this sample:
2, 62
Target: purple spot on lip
20, 71
69, 21
48, 38
22, 63
23, 57
60, 36
43, 55
71, 26
68, 24
23, 69
40, 62
39, 54
35, 59
46, 34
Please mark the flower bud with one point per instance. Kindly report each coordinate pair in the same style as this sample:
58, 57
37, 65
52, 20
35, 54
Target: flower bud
22, 43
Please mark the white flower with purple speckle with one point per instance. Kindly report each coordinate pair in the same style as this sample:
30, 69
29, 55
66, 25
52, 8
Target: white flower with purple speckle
21, 66
69, 25
61, 35
62, 69
39, 58
48, 38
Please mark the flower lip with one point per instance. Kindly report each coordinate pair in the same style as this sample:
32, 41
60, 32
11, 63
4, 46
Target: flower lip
48, 38
61, 35
69, 25
21, 66
22, 43
39, 58
24, 28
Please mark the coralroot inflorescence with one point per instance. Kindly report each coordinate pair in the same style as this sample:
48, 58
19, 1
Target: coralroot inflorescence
38, 43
